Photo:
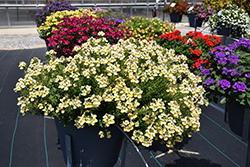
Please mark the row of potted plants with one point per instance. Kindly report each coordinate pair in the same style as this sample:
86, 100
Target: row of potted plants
110, 69
232, 17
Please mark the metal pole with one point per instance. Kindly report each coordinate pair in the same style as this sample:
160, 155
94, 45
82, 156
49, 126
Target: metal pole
121, 7
163, 9
147, 8
17, 13
131, 12
8, 16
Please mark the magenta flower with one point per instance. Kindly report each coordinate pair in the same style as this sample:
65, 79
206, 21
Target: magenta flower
75, 31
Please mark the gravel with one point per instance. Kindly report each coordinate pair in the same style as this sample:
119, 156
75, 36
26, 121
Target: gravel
21, 41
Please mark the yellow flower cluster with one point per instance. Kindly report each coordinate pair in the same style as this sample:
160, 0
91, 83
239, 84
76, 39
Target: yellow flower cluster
217, 4
131, 84
144, 28
55, 18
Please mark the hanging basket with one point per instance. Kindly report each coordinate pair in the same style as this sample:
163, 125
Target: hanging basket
87, 148
191, 18
199, 22
175, 17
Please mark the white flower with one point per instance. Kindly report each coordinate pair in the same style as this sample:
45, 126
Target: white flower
101, 33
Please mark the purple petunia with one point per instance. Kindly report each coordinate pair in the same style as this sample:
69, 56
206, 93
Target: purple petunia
209, 81
205, 72
233, 59
40, 16
239, 86
224, 84
219, 55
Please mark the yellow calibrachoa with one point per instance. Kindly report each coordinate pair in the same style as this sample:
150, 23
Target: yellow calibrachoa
135, 84
144, 28
55, 18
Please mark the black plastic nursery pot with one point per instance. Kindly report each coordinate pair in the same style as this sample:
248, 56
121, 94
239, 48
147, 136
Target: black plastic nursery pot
175, 17
193, 21
224, 31
236, 113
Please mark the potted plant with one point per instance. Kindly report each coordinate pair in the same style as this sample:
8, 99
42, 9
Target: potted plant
217, 4
232, 20
51, 7
228, 77
201, 13
69, 33
194, 45
136, 85
144, 28
116, 17
243, 4
46, 28
176, 9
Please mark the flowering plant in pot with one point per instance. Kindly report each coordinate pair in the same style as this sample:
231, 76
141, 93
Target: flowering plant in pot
176, 9
194, 45
135, 84
232, 17
243, 4
46, 28
217, 4
69, 33
228, 78
176, 6
116, 17
228, 75
201, 10
52, 7
144, 28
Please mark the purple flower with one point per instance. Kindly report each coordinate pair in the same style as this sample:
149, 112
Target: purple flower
222, 60
225, 71
239, 86
40, 16
209, 81
233, 59
205, 72
224, 84
232, 73
247, 75
219, 48
219, 55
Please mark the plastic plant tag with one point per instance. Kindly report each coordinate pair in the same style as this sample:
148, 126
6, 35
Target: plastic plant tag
172, 5
191, 8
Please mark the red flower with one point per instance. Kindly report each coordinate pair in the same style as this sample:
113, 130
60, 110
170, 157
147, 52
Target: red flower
198, 52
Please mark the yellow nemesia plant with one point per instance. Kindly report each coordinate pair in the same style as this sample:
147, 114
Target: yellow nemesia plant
144, 28
135, 84
217, 4
54, 19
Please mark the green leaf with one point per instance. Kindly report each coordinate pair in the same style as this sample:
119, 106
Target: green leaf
222, 91
212, 87
223, 100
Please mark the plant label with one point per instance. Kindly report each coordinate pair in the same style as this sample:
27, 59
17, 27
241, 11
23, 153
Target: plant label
191, 8
172, 5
